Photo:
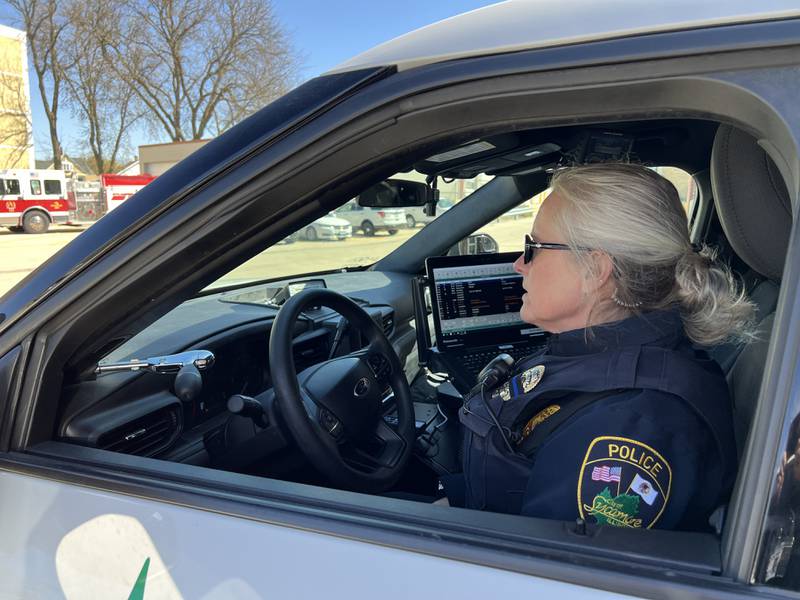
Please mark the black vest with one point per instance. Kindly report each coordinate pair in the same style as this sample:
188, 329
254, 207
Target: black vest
491, 469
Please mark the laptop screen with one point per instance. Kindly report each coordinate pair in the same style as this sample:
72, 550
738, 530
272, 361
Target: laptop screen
476, 301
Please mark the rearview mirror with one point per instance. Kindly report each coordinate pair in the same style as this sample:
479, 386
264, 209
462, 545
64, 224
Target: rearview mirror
396, 193
477, 243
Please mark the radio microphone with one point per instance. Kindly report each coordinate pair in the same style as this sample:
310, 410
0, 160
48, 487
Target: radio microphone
496, 371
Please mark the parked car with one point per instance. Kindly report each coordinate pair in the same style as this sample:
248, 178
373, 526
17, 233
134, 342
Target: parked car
329, 227
371, 220
415, 215
232, 475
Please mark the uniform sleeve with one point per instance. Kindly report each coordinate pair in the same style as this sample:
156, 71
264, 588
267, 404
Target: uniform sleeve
634, 460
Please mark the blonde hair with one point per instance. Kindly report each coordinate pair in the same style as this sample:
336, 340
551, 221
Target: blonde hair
635, 216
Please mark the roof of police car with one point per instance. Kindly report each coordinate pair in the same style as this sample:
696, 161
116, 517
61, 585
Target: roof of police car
527, 24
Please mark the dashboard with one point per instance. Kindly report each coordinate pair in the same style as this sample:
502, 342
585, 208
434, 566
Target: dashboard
140, 413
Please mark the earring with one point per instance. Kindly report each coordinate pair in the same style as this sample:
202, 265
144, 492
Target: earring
619, 302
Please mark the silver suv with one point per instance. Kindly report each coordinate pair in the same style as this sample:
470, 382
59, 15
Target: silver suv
370, 220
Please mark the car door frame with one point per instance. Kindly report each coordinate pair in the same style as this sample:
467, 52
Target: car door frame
380, 107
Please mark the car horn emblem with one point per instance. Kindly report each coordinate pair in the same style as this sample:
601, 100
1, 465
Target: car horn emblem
362, 388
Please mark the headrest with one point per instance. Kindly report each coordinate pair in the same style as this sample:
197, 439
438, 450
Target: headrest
752, 201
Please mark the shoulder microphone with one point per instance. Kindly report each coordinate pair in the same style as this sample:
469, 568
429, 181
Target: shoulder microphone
498, 369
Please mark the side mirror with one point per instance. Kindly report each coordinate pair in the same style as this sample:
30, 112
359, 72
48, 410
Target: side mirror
477, 243
397, 193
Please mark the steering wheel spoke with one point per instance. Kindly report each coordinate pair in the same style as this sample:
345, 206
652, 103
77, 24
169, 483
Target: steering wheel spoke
332, 426
378, 364
381, 450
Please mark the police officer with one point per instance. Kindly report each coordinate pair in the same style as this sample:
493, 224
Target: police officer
620, 419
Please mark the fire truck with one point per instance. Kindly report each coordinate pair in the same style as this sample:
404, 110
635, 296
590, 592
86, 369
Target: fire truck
95, 198
31, 200
118, 188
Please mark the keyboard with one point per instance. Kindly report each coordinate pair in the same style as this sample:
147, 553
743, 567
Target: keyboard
473, 362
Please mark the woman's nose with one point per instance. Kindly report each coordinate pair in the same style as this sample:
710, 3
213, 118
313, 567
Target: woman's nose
519, 265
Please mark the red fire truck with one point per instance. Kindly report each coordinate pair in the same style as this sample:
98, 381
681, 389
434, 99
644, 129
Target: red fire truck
118, 188
31, 200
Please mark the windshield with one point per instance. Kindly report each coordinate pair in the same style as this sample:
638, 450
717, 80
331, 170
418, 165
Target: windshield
353, 237
349, 237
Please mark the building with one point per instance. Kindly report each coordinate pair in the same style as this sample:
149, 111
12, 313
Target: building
132, 168
77, 169
16, 133
154, 159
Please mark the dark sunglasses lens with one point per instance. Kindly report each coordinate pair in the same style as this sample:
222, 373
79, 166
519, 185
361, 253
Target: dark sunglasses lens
529, 249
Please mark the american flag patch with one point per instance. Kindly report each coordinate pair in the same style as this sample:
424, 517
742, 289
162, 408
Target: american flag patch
607, 474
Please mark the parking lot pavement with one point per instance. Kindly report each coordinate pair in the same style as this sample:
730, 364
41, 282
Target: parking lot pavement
21, 253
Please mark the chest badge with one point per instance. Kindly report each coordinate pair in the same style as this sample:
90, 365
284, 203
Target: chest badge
531, 378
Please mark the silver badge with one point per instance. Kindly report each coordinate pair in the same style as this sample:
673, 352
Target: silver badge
531, 378
505, 391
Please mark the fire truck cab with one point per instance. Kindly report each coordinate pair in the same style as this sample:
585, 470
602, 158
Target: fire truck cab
31, 200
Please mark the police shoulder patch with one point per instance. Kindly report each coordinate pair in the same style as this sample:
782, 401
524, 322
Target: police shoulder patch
623, 482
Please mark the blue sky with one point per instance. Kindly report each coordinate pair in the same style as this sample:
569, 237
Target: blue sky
324, 32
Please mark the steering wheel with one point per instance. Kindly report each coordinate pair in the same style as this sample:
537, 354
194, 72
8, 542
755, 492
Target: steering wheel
334, 410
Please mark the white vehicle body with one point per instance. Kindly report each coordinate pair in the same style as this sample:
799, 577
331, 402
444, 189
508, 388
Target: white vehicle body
369, 220
100, 547
32, 200
329, 227
415, 215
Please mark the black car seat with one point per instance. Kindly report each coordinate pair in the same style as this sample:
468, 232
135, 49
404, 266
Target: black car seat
754, 208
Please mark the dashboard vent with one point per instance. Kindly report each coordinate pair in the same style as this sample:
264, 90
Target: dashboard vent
145, 436
388, 324
311, 350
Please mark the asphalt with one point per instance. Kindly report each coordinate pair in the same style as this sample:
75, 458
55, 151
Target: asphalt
21, 253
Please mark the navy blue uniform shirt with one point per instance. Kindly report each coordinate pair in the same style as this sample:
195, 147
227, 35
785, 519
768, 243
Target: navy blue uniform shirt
650, 444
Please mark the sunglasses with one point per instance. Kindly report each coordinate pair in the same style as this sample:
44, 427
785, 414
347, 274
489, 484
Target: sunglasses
531, 247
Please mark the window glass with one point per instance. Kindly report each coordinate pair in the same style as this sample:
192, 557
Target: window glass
52, 186
36, 187
354, 236
351, 236
686, 186
12, 186
509, 229
779, 563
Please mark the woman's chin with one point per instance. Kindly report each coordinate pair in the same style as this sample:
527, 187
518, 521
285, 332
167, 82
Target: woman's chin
526, 315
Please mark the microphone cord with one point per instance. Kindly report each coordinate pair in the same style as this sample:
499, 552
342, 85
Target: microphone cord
494, 418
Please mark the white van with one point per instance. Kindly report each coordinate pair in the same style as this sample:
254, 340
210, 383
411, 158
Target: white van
415, 215
31, 200
370, 220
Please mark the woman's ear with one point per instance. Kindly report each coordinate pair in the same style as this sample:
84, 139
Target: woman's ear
602, 270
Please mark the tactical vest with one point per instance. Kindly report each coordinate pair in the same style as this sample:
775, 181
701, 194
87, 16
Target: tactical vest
490, 466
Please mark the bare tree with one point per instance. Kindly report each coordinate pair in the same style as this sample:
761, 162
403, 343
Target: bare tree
198, 66
104, 105
45, 25
16, 133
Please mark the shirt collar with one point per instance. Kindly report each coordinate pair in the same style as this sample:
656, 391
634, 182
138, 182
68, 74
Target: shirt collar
657, 328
